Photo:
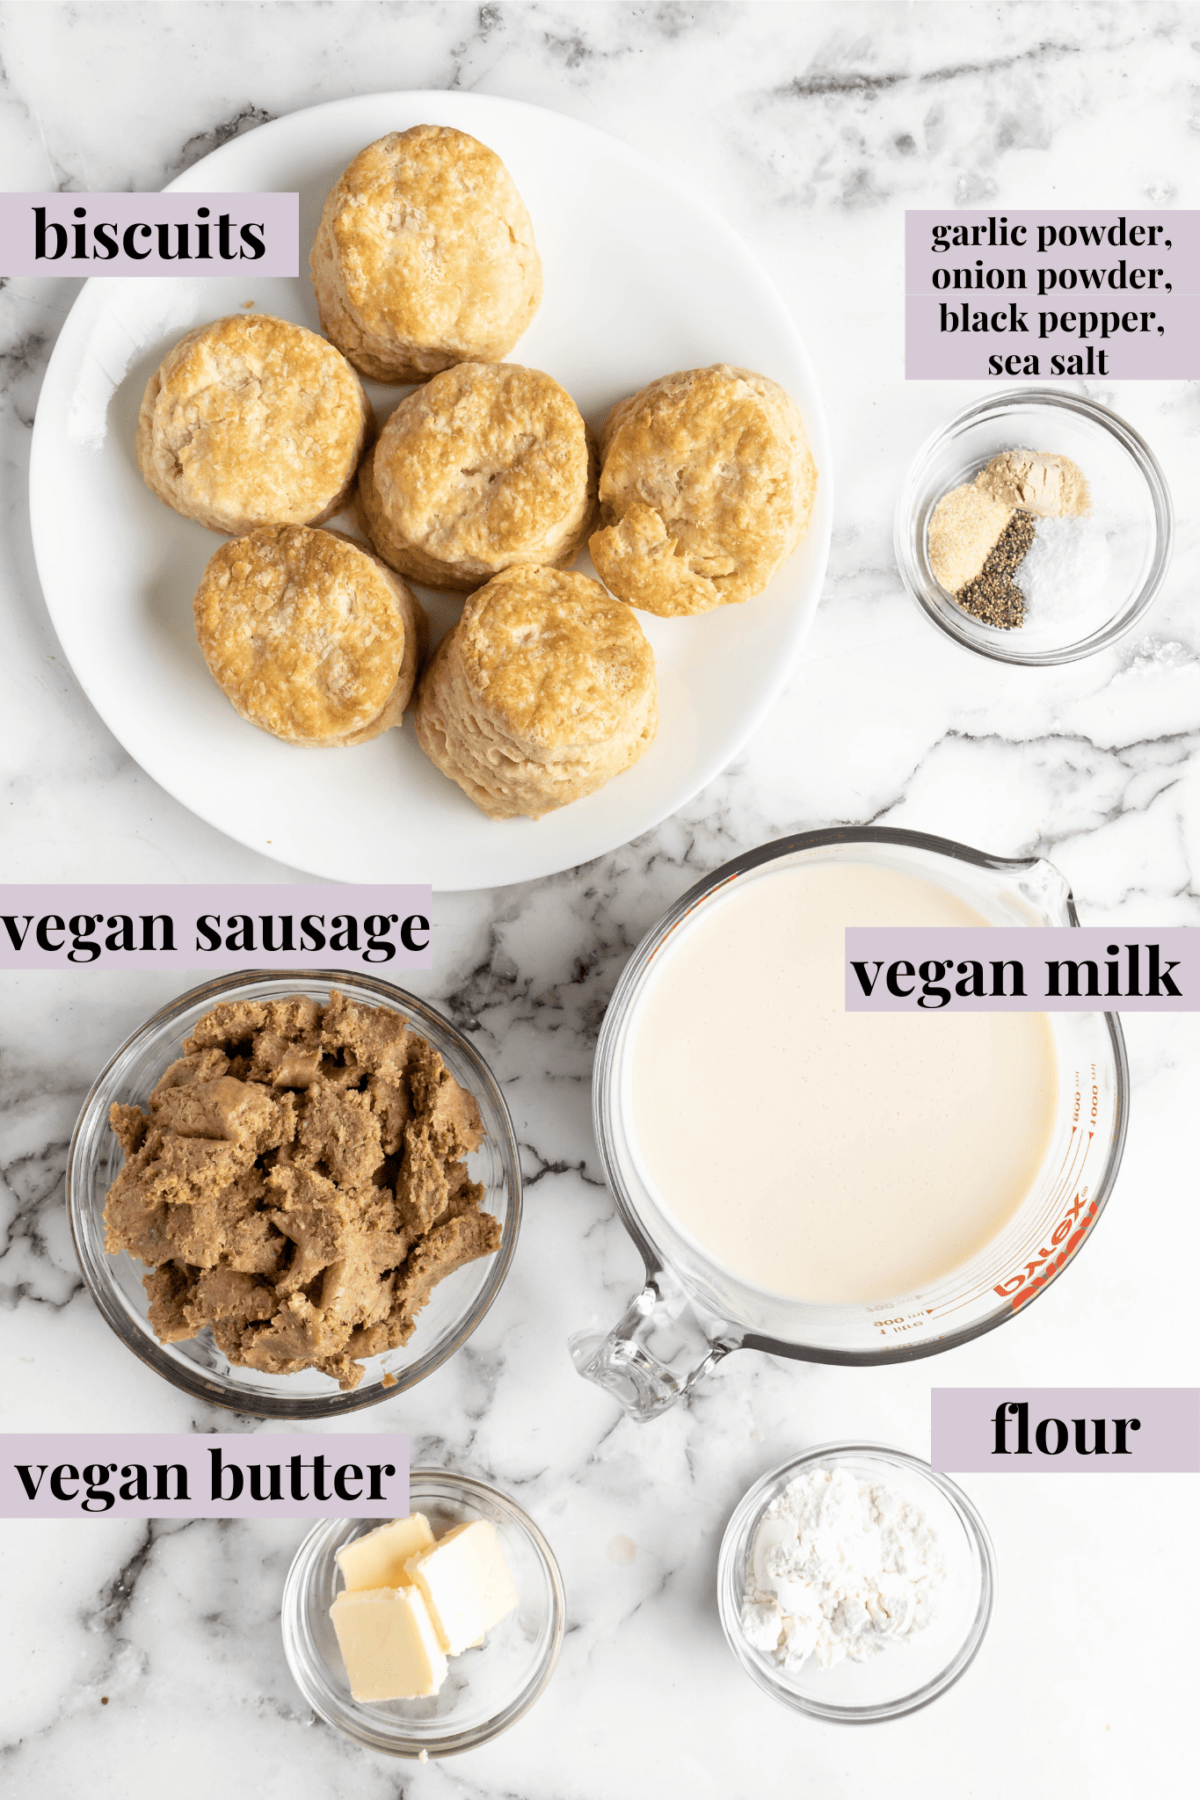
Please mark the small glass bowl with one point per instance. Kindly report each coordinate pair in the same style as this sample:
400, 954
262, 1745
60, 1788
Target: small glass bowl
488, 1688
196, 1365
908, 1674
1129, 497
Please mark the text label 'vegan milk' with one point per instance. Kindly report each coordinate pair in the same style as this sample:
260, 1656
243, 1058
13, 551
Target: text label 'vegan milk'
818, 1154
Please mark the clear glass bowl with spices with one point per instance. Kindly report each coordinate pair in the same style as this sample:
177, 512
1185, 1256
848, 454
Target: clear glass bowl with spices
922, 1662
1035, 527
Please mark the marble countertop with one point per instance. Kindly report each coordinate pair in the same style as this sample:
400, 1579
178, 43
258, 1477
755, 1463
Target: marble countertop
146, 1656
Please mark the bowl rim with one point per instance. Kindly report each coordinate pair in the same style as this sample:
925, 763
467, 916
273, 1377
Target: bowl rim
202, 1384
956, 624
743, 1522
293, 1617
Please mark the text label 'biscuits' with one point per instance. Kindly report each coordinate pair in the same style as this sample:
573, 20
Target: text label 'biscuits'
149, 234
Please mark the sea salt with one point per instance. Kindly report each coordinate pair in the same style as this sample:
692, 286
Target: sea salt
840, 1568
1064, 571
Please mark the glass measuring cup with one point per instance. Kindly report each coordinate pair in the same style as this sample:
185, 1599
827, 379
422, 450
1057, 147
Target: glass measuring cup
692, 1311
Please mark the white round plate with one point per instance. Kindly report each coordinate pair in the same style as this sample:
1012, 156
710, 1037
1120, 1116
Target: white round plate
641, 278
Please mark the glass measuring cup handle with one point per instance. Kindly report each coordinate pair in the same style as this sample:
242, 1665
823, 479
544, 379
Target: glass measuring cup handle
656, 1352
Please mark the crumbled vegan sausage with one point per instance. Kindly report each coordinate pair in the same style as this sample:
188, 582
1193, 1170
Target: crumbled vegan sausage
299, 1184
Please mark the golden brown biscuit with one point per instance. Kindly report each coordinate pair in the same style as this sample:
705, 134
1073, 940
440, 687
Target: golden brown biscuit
487, 466
424, 256
706, 485
312, 637
253, 421
543, 691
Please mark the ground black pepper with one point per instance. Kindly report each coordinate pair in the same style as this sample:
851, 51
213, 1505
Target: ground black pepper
994, 597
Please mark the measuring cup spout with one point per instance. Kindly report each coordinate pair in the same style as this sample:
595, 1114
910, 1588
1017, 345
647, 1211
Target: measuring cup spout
657, 1350
1046, 890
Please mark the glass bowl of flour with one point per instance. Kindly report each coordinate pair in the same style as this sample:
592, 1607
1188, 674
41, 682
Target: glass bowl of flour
1082, 580
855, 1583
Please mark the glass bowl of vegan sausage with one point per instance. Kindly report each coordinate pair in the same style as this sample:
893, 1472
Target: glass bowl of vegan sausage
294, 1194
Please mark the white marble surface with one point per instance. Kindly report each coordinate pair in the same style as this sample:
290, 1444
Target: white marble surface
812, 128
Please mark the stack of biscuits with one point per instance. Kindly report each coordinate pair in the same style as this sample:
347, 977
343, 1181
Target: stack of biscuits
485, 481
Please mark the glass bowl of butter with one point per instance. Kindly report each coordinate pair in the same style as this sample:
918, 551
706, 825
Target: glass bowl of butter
481, 1690
855, 1583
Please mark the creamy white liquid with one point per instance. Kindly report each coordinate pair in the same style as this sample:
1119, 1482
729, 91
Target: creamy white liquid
824, 1155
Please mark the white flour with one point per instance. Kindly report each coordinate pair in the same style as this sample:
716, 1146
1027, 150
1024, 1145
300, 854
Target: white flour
839, 1568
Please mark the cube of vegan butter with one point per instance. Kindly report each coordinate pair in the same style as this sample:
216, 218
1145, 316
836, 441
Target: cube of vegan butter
377, 1560
466, 1584
388, 1644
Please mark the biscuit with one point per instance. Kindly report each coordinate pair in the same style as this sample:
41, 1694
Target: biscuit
253, 421
706, 486
487, 466
424, 256
543, 691
311, 637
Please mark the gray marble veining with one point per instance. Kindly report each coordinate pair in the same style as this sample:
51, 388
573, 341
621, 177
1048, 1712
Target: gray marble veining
148, 1658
